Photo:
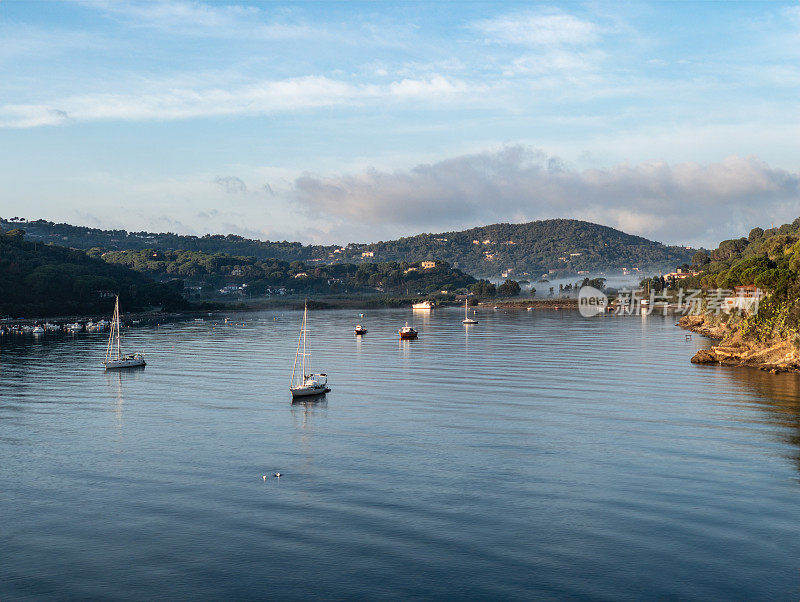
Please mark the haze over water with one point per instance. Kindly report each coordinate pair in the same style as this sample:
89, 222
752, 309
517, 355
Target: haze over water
534, 454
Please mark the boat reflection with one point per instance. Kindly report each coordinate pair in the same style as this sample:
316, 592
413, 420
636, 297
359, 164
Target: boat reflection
114, 381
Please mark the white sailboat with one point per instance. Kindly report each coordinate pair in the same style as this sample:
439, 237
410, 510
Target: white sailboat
117, 360
467, 319
306, 383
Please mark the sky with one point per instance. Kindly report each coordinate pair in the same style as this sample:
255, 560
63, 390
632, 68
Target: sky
336, 122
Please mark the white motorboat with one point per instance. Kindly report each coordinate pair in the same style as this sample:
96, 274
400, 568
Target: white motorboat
467, 319
360, 330
423, 305
37, 330
118, 360
304, 382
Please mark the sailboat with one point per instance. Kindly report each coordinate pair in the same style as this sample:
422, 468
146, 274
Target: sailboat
117, 360
306, 383
467, 319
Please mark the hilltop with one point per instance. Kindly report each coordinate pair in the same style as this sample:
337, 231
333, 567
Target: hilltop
564, 246
529, 250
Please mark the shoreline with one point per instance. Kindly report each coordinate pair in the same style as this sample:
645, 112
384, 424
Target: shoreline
294, 304
774, 356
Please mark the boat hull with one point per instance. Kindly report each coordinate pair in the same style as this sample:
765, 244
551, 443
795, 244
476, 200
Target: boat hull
408, 336
125, 363
308, 391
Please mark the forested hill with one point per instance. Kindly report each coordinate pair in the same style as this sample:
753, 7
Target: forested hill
530, 250
82, 237
535, 248
47, 280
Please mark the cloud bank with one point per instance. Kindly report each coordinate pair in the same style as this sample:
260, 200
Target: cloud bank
686, 203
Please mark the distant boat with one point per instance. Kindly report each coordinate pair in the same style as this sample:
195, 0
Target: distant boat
38, 330
360, 329
306, 383
117, 360
407, 332
423, 305
467, 319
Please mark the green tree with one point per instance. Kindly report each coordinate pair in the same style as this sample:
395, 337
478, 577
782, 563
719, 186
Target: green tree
510, 288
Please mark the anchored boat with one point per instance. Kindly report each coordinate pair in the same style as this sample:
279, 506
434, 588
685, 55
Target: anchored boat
407, 332
467, 319
306, 383
117, 360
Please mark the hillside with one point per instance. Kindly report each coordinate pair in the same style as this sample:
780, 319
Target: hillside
48, 280
535, 248
247, 276
549, 246
770, 260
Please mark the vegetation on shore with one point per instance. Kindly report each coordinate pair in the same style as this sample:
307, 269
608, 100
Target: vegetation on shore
768, 259
530, 249
274, 276
45, 280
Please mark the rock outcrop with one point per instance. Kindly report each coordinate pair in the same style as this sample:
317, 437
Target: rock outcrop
777, 355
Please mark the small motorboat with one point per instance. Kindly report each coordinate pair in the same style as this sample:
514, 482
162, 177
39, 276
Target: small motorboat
37, 330
359, 330
423, 305
407, 332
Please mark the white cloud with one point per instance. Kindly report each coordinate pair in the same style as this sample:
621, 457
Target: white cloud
683, 203
553, 28
265, 97
28, 116
231, 184
206, 20
556, 61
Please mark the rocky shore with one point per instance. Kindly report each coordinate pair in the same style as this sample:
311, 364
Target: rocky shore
777, 355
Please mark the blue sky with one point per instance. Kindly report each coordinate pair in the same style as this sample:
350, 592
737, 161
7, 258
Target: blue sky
332, 122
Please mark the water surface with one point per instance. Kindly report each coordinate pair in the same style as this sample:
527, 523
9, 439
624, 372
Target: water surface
534, 454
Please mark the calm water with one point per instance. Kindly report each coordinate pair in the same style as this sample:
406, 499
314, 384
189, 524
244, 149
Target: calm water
535, 454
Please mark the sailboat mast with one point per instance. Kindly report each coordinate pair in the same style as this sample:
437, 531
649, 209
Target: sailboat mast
305, 327
116, 321
110, 346
297, 353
